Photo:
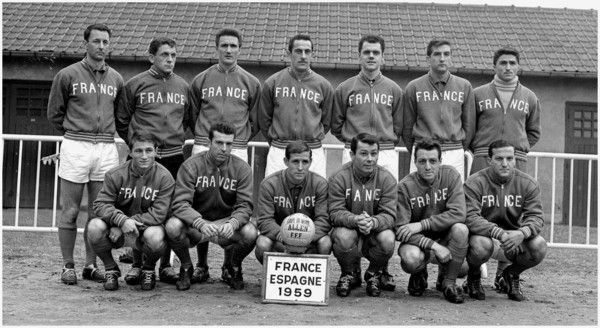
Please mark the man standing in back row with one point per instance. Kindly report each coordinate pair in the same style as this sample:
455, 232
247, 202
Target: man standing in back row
507, 110
224, 92
82, 105
371, 103
157, 102
440, 106
296, 105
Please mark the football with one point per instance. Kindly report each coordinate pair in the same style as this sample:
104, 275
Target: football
297, 231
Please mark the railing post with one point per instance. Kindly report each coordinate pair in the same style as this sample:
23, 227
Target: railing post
18, 200
553, 199
571, 200
37, 183
55, 186
589, 201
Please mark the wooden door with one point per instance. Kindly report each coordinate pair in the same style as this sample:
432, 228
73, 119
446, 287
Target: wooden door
581, 137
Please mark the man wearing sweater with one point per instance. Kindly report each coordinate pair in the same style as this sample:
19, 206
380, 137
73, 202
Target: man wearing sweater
506, 110
362, 211
132, 205
289, 191
440, 106
430, 219
81, 105
224, 92
296, 105
213, 202
371, 103
505, 217
157, 101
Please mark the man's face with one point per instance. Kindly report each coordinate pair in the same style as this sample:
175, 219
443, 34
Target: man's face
440, 59
503, 161
143, 154
506, 67
371, 57
428, 164
297, 166
228, 50
97, 45
365, 158
301, 55
164, 60
220, 146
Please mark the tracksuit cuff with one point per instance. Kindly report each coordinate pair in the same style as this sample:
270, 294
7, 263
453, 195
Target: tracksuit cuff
426, 225
526, 231
375, 224
120, 219
198, 223
235, 224
496, 233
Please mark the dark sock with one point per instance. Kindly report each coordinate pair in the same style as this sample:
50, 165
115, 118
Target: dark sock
66, 239
202, 249
137, 258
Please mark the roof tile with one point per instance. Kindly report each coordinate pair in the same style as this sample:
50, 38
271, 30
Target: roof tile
562, 40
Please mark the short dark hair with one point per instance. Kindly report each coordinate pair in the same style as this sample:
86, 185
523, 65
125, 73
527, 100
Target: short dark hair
299, 37
370, 38
364, 137
158, 42
506, 50
297, 147
228, 32
221, 127
428, 144
436, 43
498, 144
97, 26
142, 136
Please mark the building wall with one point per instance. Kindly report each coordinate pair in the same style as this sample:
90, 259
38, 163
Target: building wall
553, 93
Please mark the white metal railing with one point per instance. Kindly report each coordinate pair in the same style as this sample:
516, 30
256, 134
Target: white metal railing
536, 156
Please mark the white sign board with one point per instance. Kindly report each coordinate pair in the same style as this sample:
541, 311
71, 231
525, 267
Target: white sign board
295, 279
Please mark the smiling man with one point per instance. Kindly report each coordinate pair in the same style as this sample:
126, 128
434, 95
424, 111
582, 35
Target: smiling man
289, 191
430, 221
133, 204
81, 106
296, 105
213, 202
369, 102
505, 218
362, 211
440, 106
157, 101
507, 110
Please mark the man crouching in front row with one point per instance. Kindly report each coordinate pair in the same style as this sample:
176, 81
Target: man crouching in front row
133, 204
431, 215
213, 202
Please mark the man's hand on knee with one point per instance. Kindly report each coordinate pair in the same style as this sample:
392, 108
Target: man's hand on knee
511, 239
130, 227
210, 229
114, 234
442, 254
226, 230
407, 230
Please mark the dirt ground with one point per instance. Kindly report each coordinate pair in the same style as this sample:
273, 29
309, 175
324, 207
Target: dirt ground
561, 291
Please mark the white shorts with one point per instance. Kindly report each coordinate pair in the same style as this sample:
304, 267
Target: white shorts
82, 161
276, 155
387, 158
454, 157
239, 152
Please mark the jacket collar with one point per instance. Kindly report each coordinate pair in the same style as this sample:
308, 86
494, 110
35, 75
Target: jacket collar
158, 74
95, 67
225, 70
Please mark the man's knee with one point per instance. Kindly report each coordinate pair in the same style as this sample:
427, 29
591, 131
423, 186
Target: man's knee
154, 239
344, 238
96, 230
480, 249
537, 248
459, 232
324, 245
387, 241
412, 258
248, 233
264, 244
174, 228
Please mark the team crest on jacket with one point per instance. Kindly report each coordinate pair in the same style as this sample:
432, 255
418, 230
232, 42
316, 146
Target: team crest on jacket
159, 97
230, 92
144, 192
89, 88
303, 202
506, 201
211, 181
440, 195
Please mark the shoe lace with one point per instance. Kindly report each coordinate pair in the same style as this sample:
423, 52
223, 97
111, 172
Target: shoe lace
346, 280
147, 278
